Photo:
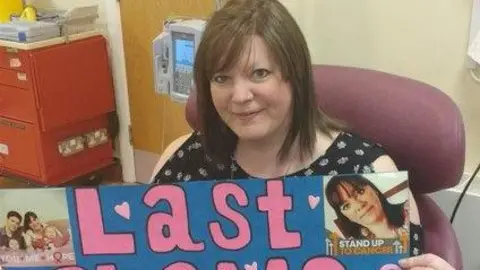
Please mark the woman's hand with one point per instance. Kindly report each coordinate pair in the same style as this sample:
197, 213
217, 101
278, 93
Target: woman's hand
425, 262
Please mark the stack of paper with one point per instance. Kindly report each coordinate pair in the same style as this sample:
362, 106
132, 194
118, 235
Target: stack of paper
27, 31
80, 19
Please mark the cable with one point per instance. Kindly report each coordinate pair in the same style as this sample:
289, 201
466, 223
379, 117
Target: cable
459, 201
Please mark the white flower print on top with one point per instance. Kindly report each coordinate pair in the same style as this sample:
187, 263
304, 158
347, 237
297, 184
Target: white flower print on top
203, 172
179, 175
342, 160
197, 145
323, 162
187, 177
366, 144
356, 168
168, 172
333, 173
367, 169
308, 172
220, 166
359, 152
341, 145
180, 153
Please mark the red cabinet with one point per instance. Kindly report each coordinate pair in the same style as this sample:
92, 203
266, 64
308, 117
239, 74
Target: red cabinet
55, 101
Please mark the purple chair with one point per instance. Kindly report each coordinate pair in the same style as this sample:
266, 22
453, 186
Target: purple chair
420, 127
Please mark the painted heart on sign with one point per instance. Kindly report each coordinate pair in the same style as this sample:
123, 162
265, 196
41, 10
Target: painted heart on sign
313, 201
252, 266
123, 210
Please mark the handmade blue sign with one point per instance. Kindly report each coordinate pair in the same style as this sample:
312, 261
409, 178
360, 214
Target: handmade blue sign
315, 222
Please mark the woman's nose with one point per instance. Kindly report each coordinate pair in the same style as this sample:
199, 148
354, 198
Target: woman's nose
241, 91
358, 205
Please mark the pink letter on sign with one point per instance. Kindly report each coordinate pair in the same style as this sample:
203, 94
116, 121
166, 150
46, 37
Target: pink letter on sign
106, 267
93, 239
277, 264
177, 222
329, 263
226, 266
180, 266
220, 194
275, 204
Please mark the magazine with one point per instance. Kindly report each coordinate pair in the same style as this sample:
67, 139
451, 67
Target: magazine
357, 221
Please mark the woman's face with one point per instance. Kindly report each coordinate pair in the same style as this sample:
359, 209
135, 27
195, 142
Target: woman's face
253, 99
361, 205
35, 224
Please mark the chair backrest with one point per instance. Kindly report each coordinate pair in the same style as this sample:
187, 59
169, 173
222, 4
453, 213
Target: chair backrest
420, 126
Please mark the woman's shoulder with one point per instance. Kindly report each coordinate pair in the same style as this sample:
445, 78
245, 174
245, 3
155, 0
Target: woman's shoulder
180, 144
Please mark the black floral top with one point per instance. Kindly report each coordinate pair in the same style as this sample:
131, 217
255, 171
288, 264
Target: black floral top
349, 153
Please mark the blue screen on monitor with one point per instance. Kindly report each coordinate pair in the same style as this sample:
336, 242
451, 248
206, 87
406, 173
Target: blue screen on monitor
184, 50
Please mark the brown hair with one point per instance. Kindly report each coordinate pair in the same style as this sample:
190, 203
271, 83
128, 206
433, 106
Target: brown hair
226, 36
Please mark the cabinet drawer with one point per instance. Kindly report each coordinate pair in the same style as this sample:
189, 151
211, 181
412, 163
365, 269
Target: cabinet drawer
14, 78
13, 59
17, 103
18, 149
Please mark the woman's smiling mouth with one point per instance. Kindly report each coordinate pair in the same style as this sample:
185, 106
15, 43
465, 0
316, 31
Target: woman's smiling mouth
247, 115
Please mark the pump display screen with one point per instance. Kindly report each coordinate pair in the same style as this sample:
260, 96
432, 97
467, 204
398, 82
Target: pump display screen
183, 53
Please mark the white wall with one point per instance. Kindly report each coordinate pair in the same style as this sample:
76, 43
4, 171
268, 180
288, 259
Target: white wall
423, 40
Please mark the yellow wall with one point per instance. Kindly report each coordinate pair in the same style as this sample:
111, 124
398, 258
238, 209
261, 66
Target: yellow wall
424, 40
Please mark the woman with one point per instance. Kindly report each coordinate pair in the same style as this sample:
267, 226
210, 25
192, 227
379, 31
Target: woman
260, 119
363, 211
33, 232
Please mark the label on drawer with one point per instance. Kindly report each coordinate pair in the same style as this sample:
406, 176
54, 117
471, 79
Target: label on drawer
15, 63
22, 76
3, 149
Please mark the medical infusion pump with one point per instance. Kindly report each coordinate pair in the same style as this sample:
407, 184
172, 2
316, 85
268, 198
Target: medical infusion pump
173, 57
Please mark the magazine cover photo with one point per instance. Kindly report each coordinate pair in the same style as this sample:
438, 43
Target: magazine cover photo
35, 228
367, 214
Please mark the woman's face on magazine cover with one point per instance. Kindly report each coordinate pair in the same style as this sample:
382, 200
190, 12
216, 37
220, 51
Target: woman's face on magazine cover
34, 224
13, 223
360, 204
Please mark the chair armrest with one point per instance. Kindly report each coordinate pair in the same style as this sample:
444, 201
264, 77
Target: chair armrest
440, 238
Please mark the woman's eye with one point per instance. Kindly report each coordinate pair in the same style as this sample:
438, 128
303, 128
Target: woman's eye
220, 79
260, 74
360, 191
345, 207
